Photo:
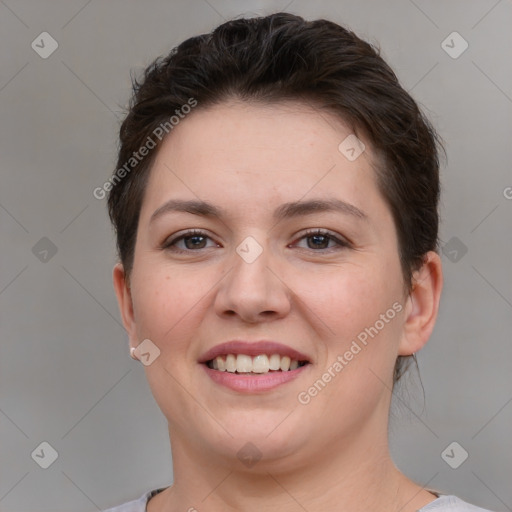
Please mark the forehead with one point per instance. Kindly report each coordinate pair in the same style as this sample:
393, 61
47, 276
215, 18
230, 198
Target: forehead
287, 132
252, 154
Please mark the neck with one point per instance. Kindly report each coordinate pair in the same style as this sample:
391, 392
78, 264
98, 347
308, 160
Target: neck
356, 475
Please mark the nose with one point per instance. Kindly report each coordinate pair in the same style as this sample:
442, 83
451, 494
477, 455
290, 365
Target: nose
253, 290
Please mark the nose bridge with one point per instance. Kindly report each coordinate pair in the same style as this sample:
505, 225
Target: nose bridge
250, 266
251, 288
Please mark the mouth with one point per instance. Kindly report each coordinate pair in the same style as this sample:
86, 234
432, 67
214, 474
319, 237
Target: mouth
255, 367
244, 364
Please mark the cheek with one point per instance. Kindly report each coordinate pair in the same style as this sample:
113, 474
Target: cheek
360, 306
168, 306
159, 301
347, 297
167, 303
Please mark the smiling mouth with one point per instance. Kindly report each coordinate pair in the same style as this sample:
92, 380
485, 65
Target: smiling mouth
247, 365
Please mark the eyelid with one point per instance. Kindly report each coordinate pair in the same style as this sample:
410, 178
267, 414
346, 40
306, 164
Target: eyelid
340, 241
171, 240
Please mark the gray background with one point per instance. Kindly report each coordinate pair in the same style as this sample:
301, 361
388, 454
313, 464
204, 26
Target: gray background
65, 374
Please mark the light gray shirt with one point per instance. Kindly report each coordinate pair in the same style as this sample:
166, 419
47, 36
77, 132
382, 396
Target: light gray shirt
445, 503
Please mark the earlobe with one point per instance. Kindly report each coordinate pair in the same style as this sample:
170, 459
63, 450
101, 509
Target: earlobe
124, 300
422, 305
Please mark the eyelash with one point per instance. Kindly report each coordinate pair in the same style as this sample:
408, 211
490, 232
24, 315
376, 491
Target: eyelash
342, 244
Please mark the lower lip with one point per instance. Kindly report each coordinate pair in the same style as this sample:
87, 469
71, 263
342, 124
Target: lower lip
253, 383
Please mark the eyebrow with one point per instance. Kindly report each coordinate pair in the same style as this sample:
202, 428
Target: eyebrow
284, 211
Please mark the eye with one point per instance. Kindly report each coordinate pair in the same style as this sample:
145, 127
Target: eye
316, 239
319, 239
191, 240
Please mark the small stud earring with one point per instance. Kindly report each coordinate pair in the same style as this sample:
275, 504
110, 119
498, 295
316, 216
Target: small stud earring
132, 353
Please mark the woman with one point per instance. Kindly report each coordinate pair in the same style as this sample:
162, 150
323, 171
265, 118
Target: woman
275, 203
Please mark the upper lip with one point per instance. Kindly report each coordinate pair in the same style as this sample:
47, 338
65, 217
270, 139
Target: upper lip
252, 349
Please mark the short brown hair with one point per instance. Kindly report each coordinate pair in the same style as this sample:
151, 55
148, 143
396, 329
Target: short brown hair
280, 57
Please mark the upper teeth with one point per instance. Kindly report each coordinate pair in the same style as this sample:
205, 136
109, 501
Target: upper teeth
242, 363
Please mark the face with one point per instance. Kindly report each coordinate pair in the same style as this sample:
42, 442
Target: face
299, 248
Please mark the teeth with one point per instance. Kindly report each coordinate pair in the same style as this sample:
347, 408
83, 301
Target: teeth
242, 363
275, 362
285, 363
221, 364
260, 364
231, 363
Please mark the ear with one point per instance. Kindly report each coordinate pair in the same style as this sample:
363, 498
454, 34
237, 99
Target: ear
422, 305
124, 299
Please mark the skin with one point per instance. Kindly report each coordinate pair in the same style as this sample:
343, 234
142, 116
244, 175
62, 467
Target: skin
249, 159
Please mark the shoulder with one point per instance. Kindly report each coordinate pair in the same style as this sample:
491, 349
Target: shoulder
445, 503
450, 503
138, 505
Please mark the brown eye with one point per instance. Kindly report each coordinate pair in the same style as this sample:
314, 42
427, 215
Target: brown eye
318, 240
190, 241
194, 242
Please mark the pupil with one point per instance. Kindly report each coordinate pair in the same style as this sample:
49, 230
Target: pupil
320, 238
194, 245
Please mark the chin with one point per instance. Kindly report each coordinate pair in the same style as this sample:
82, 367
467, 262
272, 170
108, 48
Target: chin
261, 454
271, 435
